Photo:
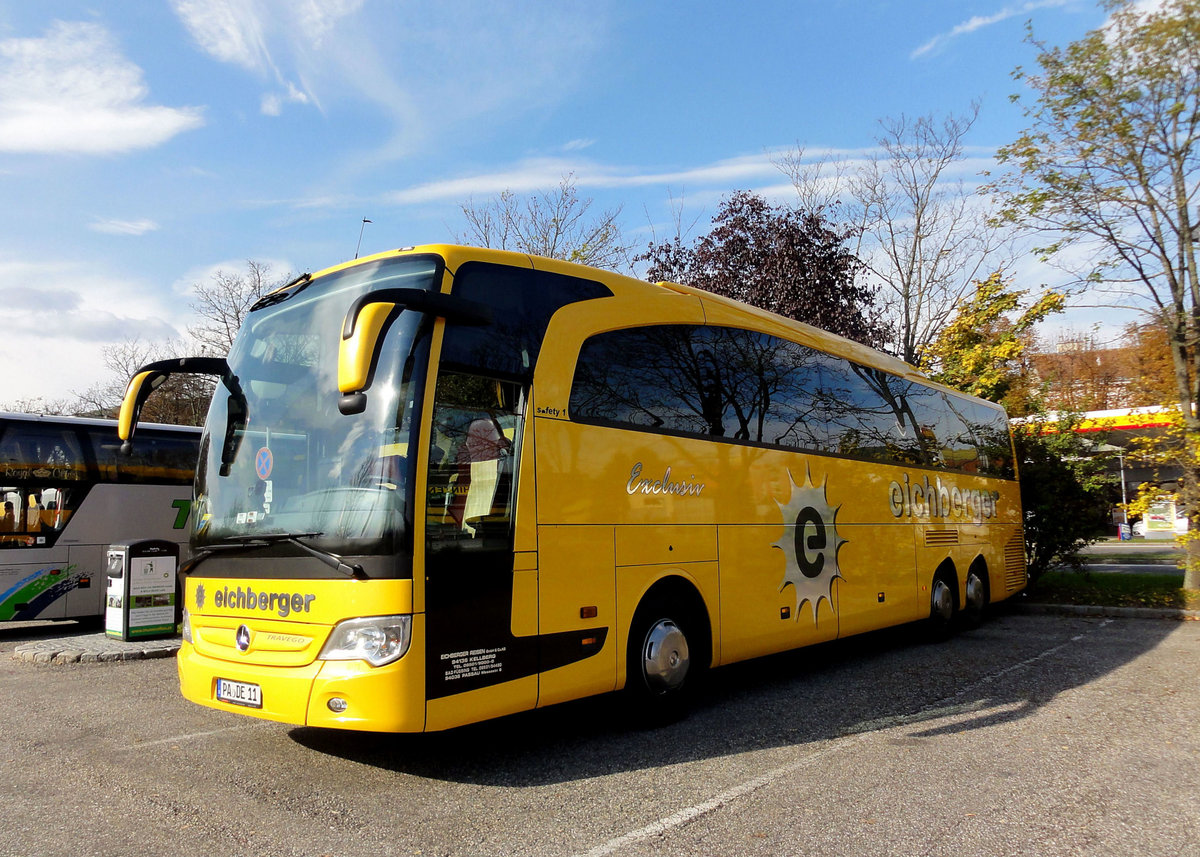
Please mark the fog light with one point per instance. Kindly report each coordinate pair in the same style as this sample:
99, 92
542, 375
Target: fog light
337, 705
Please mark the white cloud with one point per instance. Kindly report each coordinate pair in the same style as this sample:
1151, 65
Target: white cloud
272, 103
251, 33
978, 22
229, 30
59, 316
73, 91
540, 173
429, 70
123, 227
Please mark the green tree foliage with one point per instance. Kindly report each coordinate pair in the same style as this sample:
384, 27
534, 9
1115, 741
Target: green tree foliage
979, 351
1065, 493
1110, 162
1064, 486
784, 260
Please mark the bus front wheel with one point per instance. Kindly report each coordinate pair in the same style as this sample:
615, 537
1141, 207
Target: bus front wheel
660, 667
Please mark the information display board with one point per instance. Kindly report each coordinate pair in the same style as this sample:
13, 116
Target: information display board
143, 591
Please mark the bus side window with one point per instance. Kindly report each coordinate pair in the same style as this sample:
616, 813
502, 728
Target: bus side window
33, 514
8, 517
33, 509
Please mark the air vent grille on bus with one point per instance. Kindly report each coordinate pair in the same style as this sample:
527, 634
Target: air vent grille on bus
936, 538
1014, 562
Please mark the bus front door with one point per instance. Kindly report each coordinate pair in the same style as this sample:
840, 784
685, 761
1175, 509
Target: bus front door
475, 666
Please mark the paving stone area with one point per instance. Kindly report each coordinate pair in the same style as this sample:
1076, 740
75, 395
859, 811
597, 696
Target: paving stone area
93, 648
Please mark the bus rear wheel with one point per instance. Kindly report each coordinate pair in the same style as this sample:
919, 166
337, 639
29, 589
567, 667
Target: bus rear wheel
976, 600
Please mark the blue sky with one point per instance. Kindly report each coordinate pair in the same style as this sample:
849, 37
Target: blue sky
144, 145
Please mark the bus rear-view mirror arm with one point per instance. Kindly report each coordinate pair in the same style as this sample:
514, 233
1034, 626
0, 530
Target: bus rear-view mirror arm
151, 376
369, 318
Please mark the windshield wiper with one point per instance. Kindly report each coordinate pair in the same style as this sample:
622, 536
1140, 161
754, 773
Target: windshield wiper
282, 294
262, 540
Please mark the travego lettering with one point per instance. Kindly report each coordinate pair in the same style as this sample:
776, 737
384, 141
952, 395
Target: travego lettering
925, 499
283, 603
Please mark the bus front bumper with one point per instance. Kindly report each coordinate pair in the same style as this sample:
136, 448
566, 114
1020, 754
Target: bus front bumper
333, 694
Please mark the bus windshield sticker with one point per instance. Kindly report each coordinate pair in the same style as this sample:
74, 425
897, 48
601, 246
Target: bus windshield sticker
810, 543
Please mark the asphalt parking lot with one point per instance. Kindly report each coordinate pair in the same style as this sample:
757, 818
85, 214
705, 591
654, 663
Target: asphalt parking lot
1035, 734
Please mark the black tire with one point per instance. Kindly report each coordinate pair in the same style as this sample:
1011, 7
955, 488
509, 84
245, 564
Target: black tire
943, 606
975, 598
662, 669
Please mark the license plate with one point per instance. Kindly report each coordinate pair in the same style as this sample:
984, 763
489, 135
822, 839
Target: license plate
239, 693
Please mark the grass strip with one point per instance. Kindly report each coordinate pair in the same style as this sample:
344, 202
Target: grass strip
1114, 590
1167, 559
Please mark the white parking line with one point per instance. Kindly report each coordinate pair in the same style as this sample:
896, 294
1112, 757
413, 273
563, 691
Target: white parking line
691, 813
861, 732
178, 739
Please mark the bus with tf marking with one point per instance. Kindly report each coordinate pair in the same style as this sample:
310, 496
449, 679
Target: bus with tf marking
67, 492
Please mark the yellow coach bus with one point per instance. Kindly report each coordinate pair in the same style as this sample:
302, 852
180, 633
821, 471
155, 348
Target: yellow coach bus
444, 484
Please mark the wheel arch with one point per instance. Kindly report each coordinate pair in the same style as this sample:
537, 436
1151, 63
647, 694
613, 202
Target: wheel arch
948, 571
980, 566
678, 592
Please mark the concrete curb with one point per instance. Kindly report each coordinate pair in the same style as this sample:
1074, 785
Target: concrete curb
92, 649
1108, 612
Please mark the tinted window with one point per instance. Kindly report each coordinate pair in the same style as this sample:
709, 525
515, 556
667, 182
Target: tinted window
156, 457
747, 386
987, 427
44, 451
719, 382
522, 302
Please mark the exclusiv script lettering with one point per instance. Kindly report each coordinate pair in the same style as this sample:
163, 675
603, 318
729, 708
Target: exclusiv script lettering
647, 485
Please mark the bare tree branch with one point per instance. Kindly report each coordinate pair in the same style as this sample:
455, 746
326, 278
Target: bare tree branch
552, 223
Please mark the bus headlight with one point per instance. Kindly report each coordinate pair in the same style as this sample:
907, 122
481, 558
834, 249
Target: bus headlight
378, 640
186, 629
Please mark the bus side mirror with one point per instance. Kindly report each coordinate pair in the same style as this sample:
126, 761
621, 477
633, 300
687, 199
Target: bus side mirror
367, 322
141, 385
362, 333
151, 376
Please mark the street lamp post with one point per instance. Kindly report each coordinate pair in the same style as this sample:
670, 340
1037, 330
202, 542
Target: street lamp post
358, 246
1124, 500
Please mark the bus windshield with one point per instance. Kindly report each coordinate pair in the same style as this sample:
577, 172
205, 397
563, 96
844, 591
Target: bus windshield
300, 466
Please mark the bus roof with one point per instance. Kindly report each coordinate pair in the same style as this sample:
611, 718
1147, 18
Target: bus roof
95, 422
621, 285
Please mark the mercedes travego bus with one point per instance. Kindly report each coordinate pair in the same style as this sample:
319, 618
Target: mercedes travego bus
444, 484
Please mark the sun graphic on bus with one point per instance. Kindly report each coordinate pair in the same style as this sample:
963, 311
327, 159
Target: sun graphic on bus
810, 543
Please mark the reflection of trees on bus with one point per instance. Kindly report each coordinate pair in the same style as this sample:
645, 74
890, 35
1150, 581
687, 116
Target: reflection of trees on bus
748, 386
